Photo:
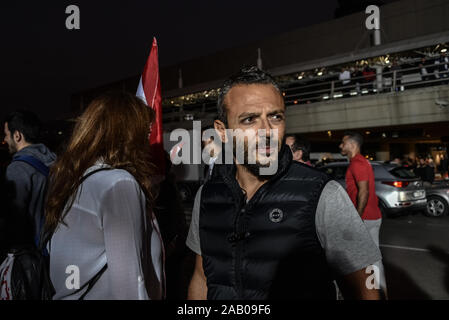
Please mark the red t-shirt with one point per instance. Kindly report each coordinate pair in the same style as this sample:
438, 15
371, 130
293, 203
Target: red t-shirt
361, 170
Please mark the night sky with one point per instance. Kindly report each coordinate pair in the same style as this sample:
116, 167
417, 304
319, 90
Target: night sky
43, 63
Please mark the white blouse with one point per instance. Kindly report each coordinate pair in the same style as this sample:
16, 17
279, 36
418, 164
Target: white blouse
108, 223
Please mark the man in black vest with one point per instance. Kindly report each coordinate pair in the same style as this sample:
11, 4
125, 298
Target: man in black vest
285, 234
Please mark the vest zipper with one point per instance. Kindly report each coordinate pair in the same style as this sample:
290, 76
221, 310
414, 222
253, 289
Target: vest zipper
240, 234
238, 250
239, 231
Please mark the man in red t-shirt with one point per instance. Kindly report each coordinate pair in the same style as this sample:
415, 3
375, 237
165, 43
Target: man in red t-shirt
362, 190
360, 179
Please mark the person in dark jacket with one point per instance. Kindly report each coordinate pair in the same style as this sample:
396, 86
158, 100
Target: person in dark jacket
25, 185
170, 215
273, 228
425, 171
444, 166
300, 148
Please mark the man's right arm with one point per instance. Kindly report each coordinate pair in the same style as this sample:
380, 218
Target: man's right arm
362, 196
198, 285
359, 171
353, 286
347, 243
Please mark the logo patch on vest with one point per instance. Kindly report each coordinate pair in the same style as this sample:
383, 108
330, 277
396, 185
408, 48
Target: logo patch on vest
276, 215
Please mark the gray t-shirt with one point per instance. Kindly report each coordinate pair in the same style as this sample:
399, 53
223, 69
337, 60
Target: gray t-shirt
343, 235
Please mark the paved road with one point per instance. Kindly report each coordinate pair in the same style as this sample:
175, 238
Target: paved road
415, 250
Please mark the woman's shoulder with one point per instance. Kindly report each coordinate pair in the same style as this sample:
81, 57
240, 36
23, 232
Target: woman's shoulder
109, 177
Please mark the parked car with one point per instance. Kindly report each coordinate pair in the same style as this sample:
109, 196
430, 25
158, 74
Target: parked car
399, 191
437, 199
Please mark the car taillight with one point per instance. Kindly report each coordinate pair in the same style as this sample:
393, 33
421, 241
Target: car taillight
397, 184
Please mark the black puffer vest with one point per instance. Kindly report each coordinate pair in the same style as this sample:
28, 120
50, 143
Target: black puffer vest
266, 248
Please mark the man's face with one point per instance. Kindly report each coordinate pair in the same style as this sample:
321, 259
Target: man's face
12, 146
290, 141
346, 146
297, 155
255, 107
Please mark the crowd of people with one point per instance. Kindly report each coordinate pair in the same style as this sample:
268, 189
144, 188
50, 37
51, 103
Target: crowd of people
100, 207
361, 78
424, 166
429, 68
435, 68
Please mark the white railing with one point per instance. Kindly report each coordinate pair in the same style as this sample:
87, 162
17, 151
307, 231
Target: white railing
327, 87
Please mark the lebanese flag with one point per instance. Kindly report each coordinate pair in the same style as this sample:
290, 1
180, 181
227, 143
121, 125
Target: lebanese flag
149, 90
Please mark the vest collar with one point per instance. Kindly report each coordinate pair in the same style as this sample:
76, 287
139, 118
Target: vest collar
228, 171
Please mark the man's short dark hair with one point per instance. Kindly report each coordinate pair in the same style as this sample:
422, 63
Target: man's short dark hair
354, 136
25, 122
300, 144
246, 76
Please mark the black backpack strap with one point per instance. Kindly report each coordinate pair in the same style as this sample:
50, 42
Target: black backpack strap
90, 284
45, 236
87, 175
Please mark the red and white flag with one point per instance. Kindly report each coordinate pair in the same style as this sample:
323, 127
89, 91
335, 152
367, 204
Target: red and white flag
149, 90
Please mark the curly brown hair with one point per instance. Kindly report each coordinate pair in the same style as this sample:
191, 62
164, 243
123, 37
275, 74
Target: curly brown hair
115, 127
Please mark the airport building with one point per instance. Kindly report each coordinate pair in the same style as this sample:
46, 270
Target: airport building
397, 94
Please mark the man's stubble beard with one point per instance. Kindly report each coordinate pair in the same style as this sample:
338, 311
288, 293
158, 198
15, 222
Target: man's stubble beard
12, 148
255, 168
